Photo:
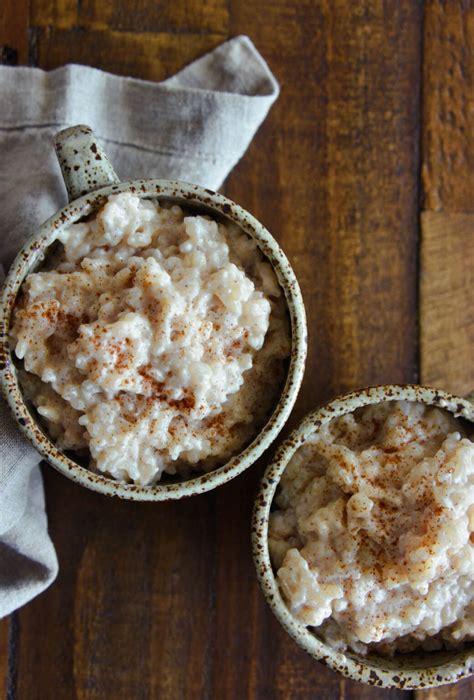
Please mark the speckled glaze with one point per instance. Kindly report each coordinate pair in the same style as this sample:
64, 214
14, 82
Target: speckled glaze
408, 671
77, 153
83, 162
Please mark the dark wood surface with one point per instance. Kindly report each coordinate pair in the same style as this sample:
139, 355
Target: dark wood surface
367, 145
447, 251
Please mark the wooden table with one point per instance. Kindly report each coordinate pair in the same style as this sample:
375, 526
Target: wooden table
361, 172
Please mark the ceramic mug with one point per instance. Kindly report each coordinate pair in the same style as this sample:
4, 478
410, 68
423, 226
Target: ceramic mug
90, 179
413, 670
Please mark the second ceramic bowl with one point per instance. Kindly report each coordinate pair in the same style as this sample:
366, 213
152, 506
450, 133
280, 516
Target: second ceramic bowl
414, 670
90, 179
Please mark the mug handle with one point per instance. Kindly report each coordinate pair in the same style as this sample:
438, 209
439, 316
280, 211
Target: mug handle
84, 165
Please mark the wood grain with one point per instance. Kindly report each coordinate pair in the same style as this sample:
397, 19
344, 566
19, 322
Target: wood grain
130, 614
4, 625
14, 28
60, 14
338, 185
448, 106
148, 55
187, 16
447, 301
463, 690
447, 243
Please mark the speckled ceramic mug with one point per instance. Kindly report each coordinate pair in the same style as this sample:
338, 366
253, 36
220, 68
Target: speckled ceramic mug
89, 179
408, 671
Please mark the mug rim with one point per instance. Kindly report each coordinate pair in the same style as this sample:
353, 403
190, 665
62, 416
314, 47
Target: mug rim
185, 194
384, 672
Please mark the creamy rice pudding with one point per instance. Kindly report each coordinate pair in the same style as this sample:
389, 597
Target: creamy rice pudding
154, 340
373, 536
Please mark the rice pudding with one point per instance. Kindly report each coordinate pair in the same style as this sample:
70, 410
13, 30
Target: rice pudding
153, 341
372, 538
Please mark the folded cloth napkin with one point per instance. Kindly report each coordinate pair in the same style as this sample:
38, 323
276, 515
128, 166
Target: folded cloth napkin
194, 126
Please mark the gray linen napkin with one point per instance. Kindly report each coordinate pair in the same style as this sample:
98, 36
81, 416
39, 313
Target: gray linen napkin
194, 126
